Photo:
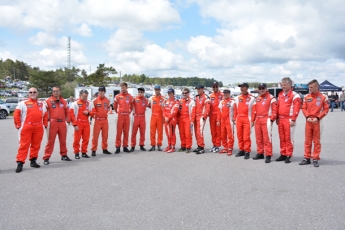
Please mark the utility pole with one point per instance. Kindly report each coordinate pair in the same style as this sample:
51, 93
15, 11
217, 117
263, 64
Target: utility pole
69, 53
120, 76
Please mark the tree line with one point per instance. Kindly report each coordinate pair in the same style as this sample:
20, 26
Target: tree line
69, 79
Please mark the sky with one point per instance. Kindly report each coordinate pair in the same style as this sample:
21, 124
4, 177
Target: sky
229, 40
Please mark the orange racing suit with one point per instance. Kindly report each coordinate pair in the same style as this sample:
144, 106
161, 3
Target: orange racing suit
315, 106
156, 123
263, 114
139, 109
227, 109
29, 118
78, 118
215, 131
244, 103
170, 110
186, 116
202, 110
288, 107
58, 117
99, 111
123, 107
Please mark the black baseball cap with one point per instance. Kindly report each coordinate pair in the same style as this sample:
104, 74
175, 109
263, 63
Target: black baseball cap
226, 90
199, 87
171, 90
244, 84
262, 85
215, 84
141, 89
101, 88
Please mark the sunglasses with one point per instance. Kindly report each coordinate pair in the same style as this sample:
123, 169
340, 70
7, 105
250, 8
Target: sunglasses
32, 92
140, 92
261, 88
184, 93
215, 87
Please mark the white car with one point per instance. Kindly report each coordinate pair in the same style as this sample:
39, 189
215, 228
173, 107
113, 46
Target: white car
4, 111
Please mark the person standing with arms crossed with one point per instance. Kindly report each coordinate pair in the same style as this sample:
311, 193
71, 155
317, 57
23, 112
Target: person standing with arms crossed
186, 121
170, 110
58, 117
288, 107
202, 110
139, 108
156, 124
215, 98
30, 116
99, 111
227, 109
263, 116
123, 105
315, 108
79, 114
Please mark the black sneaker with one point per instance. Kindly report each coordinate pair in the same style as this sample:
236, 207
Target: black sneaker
77, 156
93, 153
316, 163
46, 162
132, 149
287, 160
246, 155
240, 154
306, 161
196, 150
84, 155
160, 148
117, 151
142, 148
281, 158
65, 158
126, 150
258, 156
105, 151
211, 150
201, 151
216, 149
187, 150
34, 164
268, 159
153, 148
182, 149
19, 167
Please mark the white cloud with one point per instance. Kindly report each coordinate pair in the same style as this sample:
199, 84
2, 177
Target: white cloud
125, 40
56, 15
84, 30
7, 55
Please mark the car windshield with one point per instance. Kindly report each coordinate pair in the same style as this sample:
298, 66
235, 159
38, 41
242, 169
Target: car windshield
2, 102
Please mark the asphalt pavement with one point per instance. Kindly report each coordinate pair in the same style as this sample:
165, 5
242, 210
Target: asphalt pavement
156, 190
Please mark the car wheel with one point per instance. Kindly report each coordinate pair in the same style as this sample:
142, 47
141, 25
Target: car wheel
3, 114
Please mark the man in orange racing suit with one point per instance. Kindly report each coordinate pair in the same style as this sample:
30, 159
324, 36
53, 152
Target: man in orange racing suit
202, 110
186, 120
29, 118
288, 107
123, 104
139, 108
156, 124
58, 116
79, 114
170, 110
244, 103
215, 98
315, 108
99, 111
227, 109
263, 115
